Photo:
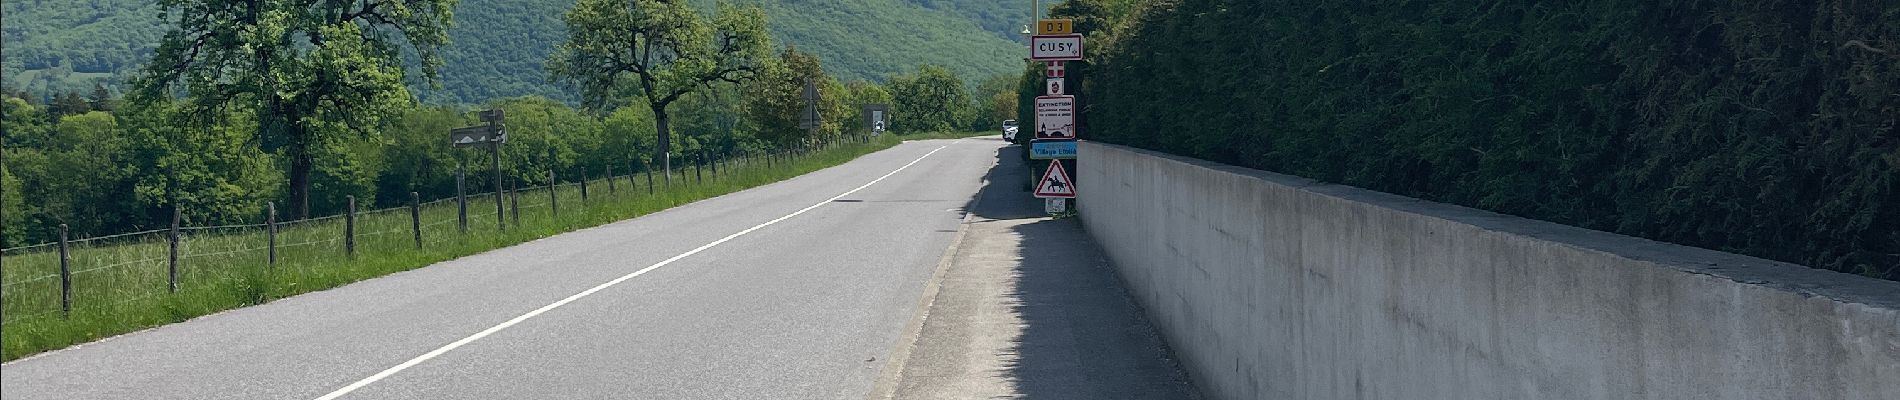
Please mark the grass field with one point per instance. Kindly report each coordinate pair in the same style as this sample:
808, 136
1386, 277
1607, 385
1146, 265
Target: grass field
121, 284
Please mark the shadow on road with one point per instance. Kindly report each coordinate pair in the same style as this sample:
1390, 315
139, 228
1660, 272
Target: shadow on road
1082, 336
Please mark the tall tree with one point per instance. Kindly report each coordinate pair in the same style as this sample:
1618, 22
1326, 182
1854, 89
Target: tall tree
315, 72
933, 100
81, 177
660, 49
100, 98
996, 101
12, 207
776, 101
210, 172
23, 123
68, 104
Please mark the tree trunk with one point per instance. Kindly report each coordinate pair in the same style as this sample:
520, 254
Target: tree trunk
664, 152
300, 167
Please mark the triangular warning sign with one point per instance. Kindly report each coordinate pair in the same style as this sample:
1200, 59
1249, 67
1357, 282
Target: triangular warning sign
1056, 183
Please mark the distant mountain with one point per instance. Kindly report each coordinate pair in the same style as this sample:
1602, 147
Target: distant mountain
56, 46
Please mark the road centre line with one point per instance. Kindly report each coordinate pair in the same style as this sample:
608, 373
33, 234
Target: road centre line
577, 296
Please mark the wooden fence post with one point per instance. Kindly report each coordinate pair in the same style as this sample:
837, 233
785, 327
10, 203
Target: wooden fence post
649, 180
171, 270
65, 275
610, 180
349, 228
554, 205
514, 201
415, 217
461, 200
583, 186
270, 229
699, 164
494, 150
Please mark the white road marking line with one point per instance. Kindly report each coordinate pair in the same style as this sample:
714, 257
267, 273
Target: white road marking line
577, 296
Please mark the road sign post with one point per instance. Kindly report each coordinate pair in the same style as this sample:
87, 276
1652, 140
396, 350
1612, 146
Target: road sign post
1055, 117
1055, 183
1055, 47
1055, 26
1055, 44
808, 119
1052, 150
470, 136
877, 118
492, 133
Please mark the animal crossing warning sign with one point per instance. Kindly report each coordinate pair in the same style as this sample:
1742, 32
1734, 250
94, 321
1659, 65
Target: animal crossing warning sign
1056, 183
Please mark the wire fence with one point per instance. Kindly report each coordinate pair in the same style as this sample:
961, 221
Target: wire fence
56, 279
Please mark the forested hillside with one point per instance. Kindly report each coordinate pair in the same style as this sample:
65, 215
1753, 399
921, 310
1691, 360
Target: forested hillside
321, 122
1005, 18
61, 46
499, 46
1763, 128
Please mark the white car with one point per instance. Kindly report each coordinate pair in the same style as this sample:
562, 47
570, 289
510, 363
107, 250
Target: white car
1009, 130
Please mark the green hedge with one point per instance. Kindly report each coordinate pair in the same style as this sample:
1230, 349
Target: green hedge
1759, 127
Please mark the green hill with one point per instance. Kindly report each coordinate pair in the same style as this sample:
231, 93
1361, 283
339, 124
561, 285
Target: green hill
498, 48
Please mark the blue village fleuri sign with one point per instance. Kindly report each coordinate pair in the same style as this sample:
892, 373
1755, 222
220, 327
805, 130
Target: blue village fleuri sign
1052, 150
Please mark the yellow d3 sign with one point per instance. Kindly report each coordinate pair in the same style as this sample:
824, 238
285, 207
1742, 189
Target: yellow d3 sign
1055, 27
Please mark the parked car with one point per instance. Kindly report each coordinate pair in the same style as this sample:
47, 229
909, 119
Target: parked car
1009, 130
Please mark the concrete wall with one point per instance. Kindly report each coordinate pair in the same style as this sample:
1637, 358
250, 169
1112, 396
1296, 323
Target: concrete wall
1275, 287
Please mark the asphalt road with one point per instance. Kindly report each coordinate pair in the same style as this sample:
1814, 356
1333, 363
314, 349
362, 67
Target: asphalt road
785, 291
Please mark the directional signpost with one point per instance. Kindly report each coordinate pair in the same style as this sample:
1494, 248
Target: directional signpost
492, 133
471, 136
